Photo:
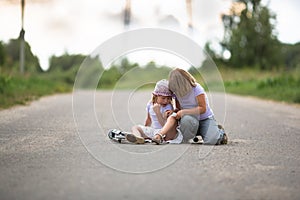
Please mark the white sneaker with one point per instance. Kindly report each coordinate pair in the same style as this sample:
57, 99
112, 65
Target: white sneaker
196, 140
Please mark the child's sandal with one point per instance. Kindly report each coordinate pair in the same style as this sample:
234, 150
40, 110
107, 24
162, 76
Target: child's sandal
158, 141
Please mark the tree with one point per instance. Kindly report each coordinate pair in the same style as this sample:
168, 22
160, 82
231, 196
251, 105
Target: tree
291, 55
126, 65
32, 64
65, 62
249, 35
2, 54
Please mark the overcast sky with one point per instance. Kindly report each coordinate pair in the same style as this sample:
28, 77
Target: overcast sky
79, 26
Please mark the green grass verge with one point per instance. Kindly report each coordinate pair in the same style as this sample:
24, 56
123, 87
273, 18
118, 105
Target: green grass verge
275, 85
278, 86
16, 90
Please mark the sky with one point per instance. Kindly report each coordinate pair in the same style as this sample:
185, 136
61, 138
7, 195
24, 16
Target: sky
54, 27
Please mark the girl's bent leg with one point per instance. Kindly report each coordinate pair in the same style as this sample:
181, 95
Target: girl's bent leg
188, 126
168, 130
209, 131
138, 131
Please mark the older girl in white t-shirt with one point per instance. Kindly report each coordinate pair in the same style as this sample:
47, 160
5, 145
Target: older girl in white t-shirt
194, 113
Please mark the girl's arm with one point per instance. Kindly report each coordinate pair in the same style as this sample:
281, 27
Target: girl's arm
148, 120
177, 106
200, 109
159, 115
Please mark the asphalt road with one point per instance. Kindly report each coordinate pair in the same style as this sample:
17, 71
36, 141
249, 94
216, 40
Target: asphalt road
56, 148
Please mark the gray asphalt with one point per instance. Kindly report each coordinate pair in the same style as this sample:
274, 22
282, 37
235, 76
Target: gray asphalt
56, 148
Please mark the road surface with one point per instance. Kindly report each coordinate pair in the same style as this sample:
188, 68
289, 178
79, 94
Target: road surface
55, 148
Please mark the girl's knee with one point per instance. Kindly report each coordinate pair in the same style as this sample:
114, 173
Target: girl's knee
189, 122
135, 127
189, 126
211, 138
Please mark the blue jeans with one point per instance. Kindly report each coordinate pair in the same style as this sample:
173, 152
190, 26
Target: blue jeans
190, 126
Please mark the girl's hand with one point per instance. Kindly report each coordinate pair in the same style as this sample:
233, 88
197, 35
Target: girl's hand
156, 108
167, 113
179, 114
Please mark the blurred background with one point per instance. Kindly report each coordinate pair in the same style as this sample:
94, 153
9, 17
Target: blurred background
255, 43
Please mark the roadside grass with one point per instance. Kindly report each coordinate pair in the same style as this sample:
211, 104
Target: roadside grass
277, 85
19, 90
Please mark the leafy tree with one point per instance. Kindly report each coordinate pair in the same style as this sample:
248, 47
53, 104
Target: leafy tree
12, 50
89, 73
126, 65
2, 54
291, 55
249, 35
66, 68
65, 62
112, 75
109, 77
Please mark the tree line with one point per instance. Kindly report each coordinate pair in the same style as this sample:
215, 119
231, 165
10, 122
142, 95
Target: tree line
250, 40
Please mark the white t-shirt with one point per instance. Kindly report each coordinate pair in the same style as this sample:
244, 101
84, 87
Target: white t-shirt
190, 101
155, 123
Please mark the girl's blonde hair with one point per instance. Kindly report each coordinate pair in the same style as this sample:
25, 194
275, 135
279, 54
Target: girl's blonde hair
181, 82
154, 99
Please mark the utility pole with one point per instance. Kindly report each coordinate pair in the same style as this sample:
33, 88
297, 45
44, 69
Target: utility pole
22, 39
127, 13
190, 14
